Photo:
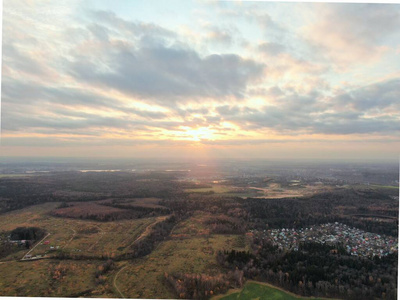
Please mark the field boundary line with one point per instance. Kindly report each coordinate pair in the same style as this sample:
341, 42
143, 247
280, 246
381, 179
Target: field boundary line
38, 243
69, 241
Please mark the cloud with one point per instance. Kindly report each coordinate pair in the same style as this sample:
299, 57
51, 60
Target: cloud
354, 112
382, 95
220, 36
167, 73
353, 33
105, 78
271, 48
127, 28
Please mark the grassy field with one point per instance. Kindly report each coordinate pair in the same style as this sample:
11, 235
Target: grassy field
49, 277
46, 278
260, 291
273, 190
74, 235
218, 189
191, 227
384, 186
144, 278
15, 175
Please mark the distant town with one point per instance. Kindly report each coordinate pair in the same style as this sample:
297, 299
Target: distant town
356, 242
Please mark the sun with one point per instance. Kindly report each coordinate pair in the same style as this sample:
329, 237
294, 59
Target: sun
198, 134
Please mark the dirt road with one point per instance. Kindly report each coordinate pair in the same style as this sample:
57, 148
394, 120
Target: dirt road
38, 243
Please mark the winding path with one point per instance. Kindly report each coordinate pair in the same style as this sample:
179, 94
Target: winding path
145, 232
115, 281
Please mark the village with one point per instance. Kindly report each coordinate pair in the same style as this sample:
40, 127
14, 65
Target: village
356, 242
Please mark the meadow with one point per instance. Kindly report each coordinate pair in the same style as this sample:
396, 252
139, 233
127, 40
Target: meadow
47, 278
191, 249
144, 278
260, 291
85, 237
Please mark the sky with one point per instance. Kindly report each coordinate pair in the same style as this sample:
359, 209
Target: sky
206, 79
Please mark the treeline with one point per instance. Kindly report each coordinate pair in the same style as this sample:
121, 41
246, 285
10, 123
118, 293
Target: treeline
127, 214
222, 224
145, 245
201, 286
17, 193
102, 270
235, 258
323, 208
101, 217
318, 270
185, 207
141, 211
6, 248
27, 233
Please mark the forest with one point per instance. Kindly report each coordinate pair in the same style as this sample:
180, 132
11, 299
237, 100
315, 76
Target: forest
317, 270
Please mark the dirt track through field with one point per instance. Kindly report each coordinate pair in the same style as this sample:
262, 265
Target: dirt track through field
115, 281
149, 227
72, 237
38, 243
102, 232
145, 233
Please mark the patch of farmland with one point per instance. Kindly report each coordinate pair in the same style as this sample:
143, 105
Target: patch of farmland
111, 240
134, 202
90, 210
144, 278
261, 291
75, 236
47, 278
215, 188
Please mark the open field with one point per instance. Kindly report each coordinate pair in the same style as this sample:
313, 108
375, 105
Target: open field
144, 278
47, 278
76, 236
218, 189
191, 227
276, 191
71, 277
271, 190
261, 291
15, 175
384, 186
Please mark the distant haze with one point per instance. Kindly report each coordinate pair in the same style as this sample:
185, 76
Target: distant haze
186, 80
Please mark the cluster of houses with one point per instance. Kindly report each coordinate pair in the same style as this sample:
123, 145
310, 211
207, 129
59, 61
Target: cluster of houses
357, 242
21, 242
39, 256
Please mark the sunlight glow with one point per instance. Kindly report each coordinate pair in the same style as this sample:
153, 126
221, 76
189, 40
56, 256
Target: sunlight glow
198, 134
